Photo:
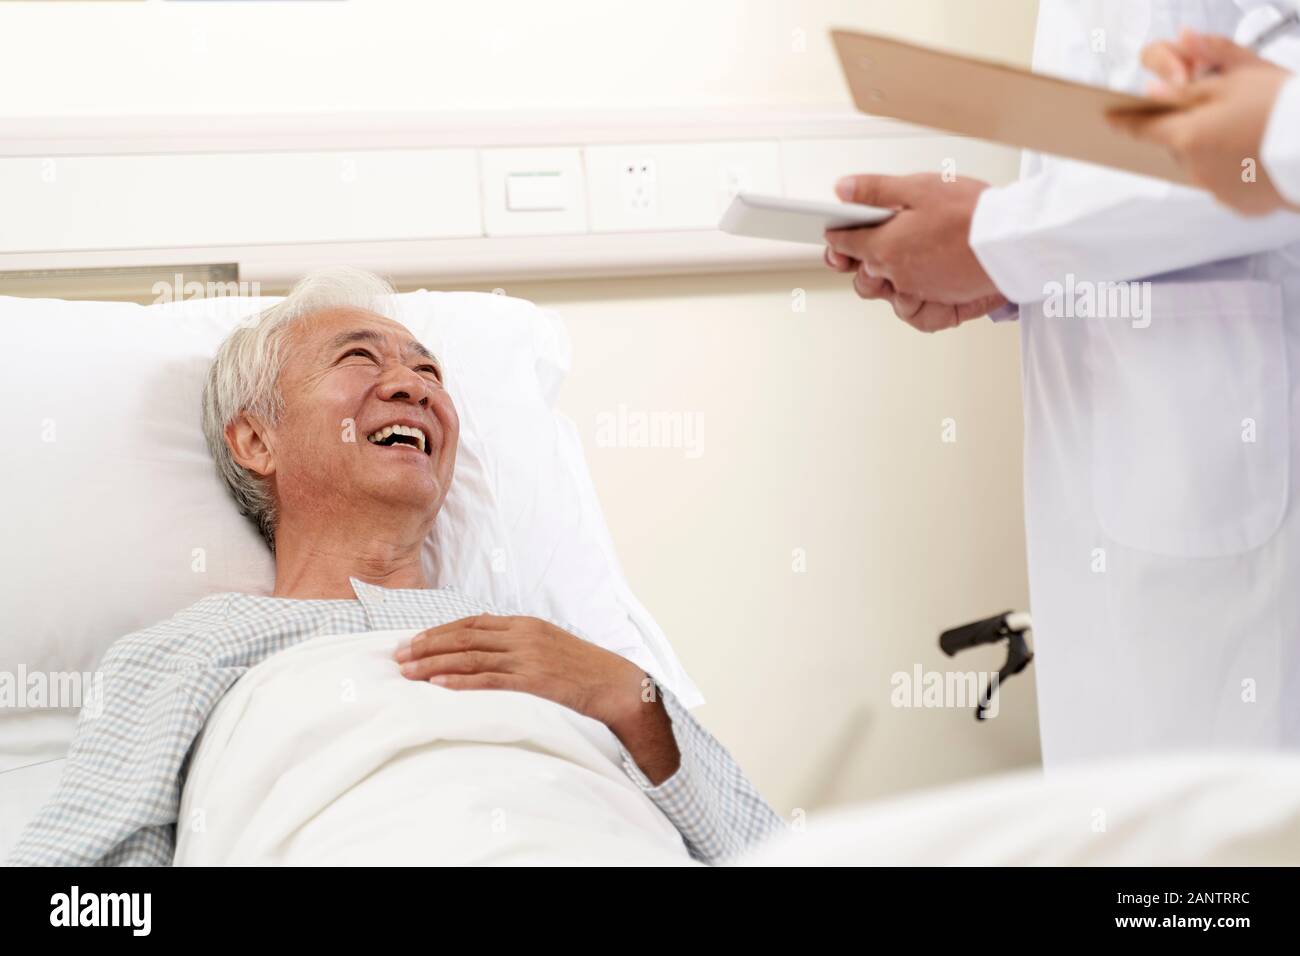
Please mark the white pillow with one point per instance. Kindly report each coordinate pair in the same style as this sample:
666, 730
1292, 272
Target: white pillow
554, 557
115, 518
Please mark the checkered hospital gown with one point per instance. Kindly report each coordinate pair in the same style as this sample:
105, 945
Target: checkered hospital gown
118, 800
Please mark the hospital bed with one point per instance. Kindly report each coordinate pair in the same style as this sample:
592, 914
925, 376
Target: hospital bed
116, 519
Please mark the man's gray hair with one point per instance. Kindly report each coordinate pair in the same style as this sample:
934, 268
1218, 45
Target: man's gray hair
245, 375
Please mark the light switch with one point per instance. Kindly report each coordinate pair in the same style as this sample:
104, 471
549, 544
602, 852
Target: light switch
533, 191
536, 191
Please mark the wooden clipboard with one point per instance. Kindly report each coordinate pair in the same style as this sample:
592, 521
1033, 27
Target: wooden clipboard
997, 102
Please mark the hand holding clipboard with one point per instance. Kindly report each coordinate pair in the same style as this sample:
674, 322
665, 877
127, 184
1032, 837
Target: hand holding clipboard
1231, 133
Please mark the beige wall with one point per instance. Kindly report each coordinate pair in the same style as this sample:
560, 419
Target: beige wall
822, 428
398, 55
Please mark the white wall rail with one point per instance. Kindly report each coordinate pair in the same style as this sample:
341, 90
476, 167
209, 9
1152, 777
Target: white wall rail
437, 199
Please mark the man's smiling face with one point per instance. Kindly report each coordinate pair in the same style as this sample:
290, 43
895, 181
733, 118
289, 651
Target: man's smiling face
366, 419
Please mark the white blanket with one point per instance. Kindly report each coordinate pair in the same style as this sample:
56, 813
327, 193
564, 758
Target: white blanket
325, 754
1195, 809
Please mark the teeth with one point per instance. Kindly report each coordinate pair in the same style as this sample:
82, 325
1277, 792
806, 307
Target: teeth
388, 430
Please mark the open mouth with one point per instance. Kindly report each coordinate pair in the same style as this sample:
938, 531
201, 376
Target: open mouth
391, 435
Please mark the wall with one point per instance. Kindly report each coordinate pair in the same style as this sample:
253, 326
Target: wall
398, 55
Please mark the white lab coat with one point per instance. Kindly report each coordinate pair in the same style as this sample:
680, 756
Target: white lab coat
1162, 463
1280, 152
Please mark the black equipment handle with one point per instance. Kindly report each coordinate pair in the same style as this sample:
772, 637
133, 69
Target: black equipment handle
988, 631
991, 630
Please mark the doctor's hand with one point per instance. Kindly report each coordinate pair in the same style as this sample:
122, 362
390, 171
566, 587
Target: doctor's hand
918, 313
924, 251
527, 654
1224, 127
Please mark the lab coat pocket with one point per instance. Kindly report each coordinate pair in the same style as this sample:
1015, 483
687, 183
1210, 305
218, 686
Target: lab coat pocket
1190, 421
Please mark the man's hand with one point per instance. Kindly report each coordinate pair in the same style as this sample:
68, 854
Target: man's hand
1223, 129
924, 250
489, 652
919, 314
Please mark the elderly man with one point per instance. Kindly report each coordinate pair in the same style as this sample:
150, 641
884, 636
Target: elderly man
330, 424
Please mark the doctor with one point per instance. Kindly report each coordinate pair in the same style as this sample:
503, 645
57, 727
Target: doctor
1162, 419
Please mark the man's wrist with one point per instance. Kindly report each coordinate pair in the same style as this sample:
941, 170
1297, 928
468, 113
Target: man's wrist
646, 731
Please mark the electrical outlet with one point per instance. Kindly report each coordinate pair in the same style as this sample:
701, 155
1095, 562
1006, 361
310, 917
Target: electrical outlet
668, 187
640, 195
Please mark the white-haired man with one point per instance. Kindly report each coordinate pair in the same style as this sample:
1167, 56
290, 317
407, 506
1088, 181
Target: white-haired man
346, 520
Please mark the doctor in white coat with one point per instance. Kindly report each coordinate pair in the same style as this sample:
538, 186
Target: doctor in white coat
1162, 437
